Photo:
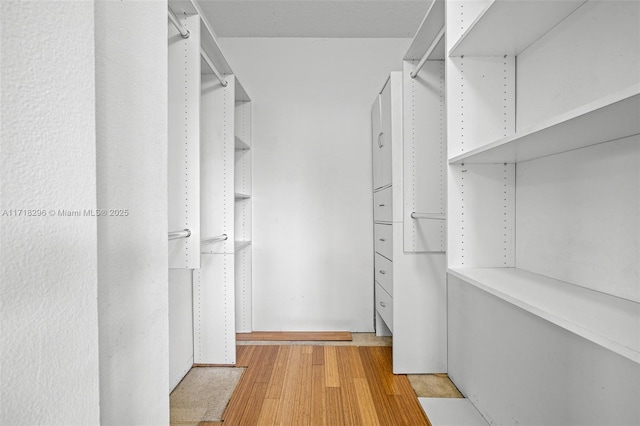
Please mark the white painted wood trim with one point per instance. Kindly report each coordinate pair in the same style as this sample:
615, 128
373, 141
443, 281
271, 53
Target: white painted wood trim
606, 320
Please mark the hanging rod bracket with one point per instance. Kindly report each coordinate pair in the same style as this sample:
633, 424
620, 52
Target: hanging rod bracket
428, 216
174, 235
181, 29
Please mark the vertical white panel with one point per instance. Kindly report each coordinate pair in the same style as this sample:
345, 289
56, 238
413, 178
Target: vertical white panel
420, 311
214, 310
131, 101
480, 101
242, 171
243, 219
243, 290
395, 151
424, 156
184, 143
217, 171
460, 14
180, 325
242, 122
480, 109
481, 215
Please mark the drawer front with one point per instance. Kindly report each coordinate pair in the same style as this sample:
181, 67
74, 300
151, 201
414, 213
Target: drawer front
384, 273
384, 306
382, 207
383, 235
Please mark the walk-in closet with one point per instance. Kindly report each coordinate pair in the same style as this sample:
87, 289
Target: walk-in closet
302, 212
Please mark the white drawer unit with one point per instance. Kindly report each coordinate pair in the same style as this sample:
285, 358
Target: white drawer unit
384, 272
383, 234
383, 205
384, 306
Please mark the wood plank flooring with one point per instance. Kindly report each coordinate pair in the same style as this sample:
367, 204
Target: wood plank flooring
294, 335
321, 385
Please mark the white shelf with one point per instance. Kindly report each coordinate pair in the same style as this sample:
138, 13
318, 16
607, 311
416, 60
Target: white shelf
606, 320
451, 412
509, 27
427, 32
241, 196
610, 118
239, 245
241, 145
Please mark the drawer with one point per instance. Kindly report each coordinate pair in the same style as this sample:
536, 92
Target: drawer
382, 207
383, 243
384, 306
384, 273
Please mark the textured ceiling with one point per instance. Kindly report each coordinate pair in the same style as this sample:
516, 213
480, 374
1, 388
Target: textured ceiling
311, 18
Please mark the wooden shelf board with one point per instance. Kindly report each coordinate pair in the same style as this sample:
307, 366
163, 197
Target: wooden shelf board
294, 336
241, 145
610, 118
241, 196
238, 245
509, 27
427, 32
606, 320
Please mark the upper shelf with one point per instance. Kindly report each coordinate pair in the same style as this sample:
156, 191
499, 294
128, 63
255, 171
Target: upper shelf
613, 117
509, 27
606, 320
427, 32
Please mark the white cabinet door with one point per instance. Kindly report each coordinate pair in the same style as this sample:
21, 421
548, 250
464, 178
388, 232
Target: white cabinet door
376, 136
385, 140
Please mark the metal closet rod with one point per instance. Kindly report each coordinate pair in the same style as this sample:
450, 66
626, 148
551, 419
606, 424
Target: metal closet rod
431, 216
222, 237
174, 235
174, 20
430, 50
213, 68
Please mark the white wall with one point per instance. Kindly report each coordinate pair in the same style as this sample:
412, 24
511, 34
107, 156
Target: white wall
131, 99
48, 308
313, 244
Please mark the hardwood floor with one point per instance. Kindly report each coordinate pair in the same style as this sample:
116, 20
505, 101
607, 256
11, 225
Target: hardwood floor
321, 385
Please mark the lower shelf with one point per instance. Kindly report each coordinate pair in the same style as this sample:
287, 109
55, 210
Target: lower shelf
606, 320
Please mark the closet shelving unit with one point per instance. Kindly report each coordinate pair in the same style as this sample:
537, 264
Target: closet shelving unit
487, 150
222, 109
242, 208
424, 142
184, 145
409, 164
